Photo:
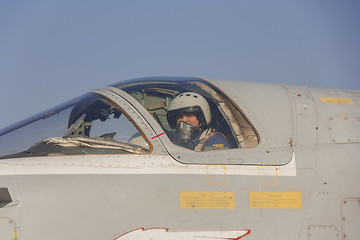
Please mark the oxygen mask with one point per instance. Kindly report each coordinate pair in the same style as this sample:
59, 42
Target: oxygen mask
186, 132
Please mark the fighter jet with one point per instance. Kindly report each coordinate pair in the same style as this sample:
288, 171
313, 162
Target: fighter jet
181, 158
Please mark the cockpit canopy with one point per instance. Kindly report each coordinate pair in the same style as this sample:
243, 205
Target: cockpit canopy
96, 124
91, 124
156, 94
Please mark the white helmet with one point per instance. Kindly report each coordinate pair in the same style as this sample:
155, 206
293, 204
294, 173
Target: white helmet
190, 102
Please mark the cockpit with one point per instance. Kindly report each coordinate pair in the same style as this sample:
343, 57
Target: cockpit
98, 123
227, 118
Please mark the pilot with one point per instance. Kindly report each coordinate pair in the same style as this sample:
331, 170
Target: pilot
190, 116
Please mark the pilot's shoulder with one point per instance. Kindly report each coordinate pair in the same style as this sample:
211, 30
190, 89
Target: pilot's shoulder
217, 139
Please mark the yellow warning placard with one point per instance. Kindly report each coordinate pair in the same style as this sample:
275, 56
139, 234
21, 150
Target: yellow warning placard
275, 200
206, 200
336, 100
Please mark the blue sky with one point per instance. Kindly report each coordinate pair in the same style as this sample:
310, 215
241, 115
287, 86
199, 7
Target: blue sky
52, 51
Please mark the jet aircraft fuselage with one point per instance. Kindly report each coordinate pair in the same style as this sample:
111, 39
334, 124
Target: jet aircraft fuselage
108, 165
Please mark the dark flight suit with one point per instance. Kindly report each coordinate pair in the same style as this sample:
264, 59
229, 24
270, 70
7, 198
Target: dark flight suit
209, 140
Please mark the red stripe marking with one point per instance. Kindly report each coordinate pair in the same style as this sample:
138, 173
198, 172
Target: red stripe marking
157, 135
